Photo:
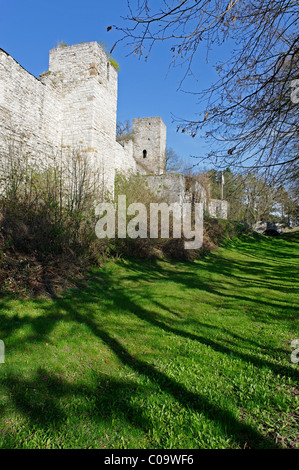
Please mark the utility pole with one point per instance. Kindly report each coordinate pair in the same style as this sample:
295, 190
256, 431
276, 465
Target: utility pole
222, 183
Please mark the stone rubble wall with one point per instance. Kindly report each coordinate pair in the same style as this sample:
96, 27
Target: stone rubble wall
261, 227
174, 187
218, 208
170, 187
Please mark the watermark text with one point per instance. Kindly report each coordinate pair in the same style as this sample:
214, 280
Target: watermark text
187, 221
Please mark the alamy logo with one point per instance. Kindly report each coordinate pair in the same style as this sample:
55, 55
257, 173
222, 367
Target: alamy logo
182, 218
295, 93
295, 351
2, 352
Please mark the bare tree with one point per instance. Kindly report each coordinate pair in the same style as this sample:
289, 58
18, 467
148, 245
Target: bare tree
173, 162
124, 132
251, 111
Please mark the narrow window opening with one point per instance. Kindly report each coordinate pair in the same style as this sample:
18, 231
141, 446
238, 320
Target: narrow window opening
108, 70
144, 153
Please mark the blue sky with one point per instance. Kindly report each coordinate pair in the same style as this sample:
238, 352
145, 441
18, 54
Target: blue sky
28, 29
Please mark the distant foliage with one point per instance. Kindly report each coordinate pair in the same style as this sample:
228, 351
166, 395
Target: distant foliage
252, 197
174, 164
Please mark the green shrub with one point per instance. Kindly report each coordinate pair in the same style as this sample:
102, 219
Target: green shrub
47, 222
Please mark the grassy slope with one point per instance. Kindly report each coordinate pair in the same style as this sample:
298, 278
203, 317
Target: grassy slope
152, 354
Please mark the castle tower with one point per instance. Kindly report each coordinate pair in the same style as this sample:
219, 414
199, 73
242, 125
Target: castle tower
150, 145
87, 86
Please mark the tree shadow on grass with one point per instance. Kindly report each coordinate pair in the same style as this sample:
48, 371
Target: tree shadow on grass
78, 306
241, 433
121, 300
237, 283
39, 399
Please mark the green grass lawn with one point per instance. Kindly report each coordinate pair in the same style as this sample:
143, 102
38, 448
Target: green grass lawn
156, 354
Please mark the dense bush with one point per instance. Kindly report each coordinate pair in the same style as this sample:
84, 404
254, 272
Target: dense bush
46, 222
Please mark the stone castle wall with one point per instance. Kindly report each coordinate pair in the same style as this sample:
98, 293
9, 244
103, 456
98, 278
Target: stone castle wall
73, 108
29, 110
169, 187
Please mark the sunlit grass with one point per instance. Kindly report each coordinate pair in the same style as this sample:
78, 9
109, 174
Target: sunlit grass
155, 354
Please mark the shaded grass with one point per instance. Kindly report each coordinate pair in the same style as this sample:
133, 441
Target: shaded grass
156, 354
